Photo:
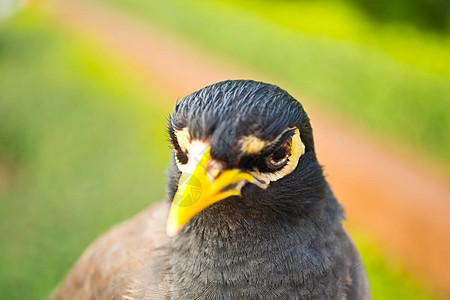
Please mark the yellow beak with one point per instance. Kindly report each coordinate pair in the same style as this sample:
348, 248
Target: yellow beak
197, 190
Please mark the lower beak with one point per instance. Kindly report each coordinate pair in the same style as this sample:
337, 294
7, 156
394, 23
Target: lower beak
197, 190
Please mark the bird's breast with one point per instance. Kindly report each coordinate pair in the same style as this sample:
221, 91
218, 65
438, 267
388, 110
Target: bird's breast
262, 265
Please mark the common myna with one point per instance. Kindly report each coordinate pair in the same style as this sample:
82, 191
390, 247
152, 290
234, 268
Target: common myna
248, 215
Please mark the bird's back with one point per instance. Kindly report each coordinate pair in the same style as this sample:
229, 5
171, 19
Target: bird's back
110, 265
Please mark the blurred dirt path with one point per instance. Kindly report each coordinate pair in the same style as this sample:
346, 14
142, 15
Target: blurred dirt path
405, 207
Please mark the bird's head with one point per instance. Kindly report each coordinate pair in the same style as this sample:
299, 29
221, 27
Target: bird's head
243, 139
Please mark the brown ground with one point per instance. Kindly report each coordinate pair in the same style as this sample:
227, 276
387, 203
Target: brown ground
405, 206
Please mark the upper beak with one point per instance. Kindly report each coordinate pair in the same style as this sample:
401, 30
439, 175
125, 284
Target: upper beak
197, 190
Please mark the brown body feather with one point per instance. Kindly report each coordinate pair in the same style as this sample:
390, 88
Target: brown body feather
108, 268
113, 267
284, 241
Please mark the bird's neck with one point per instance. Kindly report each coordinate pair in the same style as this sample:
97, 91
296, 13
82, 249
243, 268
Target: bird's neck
232, 249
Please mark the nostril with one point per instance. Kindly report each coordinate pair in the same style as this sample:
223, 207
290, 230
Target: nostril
214, 168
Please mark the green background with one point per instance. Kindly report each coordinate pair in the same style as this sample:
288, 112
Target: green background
83, 143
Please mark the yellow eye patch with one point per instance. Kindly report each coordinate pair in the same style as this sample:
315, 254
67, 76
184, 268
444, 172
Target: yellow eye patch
297, 150
251, 144
183, 138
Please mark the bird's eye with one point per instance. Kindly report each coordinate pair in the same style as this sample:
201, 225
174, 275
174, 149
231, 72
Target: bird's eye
279, 158
182, 157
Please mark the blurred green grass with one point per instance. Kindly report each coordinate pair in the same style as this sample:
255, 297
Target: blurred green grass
339, 20
391, 79
84, 146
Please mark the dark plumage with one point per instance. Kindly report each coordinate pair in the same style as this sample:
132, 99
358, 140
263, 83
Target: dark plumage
284, 241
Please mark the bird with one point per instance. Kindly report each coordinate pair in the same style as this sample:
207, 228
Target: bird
249, 213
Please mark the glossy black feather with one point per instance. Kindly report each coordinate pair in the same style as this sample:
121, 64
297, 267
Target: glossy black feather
228, 110
284, 242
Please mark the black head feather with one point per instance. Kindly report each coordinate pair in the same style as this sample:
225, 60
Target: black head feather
282, 242
228, 110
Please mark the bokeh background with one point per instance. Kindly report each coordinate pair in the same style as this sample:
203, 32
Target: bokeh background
85, 88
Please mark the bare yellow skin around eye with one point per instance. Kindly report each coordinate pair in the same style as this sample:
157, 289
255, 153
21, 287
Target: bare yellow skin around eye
184, 141
297, 150
188, 202
251, 144
183, 138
